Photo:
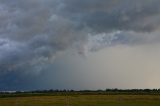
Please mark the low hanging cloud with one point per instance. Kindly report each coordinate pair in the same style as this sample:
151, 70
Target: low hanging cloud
34, 33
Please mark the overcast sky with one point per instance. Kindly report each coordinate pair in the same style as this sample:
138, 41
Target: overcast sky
79, 44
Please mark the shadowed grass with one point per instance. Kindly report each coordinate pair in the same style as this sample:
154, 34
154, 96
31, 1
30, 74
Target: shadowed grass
83, 100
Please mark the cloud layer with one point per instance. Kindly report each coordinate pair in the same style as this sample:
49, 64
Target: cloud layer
34, 34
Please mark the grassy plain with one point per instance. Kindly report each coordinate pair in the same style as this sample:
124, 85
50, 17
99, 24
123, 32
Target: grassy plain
82, 100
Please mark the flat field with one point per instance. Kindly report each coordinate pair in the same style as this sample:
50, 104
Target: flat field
82, 100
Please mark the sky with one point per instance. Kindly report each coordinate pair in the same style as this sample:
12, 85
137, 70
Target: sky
79, 44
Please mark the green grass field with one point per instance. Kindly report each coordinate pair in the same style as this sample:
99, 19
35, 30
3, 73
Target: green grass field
83, 100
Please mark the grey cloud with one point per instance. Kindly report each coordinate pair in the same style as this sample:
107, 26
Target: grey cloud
116, 15
34, 32
36, 25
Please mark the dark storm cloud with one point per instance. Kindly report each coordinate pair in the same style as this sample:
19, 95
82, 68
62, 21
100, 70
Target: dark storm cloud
35, 26
111, 15
34, 32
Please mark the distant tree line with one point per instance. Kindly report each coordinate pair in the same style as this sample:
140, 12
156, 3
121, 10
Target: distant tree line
115, 90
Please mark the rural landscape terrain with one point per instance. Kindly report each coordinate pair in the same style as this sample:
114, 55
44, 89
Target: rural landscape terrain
109, 97
79, 52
